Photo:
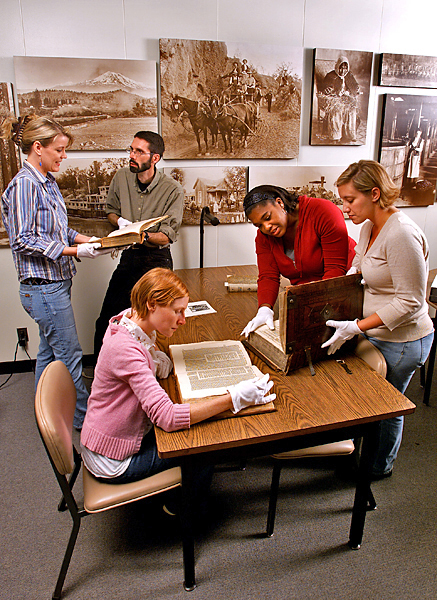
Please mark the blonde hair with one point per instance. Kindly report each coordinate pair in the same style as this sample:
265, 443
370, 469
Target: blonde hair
368, 174
24, 131
157, 286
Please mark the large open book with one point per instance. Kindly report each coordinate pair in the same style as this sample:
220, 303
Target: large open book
206, 369
301, 329
132, 234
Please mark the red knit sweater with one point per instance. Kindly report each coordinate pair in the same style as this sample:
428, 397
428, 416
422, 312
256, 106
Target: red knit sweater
322, 249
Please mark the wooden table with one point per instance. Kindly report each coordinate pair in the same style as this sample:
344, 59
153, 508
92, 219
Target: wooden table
333, 405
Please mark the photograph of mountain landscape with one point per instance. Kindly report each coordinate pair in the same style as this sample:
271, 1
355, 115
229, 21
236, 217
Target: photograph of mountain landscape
230, 100
103, 102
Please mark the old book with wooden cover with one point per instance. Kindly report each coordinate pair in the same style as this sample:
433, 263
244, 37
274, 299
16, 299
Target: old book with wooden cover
132, 234
301, 329
206, 369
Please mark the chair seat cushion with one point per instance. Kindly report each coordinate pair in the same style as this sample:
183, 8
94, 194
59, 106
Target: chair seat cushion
334, 449
100, 496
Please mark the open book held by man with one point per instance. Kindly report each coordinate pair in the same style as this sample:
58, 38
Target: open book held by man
135, 233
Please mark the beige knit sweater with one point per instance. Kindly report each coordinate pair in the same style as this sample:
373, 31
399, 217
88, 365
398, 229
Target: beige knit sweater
395, 271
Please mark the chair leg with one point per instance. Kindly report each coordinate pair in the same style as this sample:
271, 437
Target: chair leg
67, 557
62, 506
274, 488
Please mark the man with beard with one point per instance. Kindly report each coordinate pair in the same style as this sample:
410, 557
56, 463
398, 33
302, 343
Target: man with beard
136, 193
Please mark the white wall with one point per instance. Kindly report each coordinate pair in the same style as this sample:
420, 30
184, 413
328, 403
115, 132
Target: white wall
131, 29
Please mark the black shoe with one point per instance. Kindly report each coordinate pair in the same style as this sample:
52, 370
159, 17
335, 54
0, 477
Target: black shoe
378, 476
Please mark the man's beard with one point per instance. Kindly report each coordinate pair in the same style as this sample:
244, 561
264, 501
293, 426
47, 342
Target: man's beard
140, 168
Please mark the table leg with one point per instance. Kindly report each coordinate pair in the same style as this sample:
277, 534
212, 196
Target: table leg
363, 493
187, 523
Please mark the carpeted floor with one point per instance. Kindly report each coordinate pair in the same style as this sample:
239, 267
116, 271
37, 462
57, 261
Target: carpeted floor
135, 552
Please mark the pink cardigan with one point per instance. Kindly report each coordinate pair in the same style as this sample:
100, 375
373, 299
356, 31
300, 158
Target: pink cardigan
125, 397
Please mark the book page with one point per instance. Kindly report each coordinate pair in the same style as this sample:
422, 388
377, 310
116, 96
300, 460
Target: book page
271, 335
209, 368
137, 227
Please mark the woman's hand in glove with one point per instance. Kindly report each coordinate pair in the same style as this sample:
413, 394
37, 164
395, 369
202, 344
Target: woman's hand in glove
251, 392
264, 316
344, 330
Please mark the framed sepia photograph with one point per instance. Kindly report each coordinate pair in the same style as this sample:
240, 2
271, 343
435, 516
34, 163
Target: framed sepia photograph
9, 154
340, 97
408, 70
222, 189
84, 185
408, 146
222, 99
314, 182
103, 102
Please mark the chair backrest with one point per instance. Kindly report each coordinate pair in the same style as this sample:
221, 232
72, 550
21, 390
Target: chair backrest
55, 403
372, 356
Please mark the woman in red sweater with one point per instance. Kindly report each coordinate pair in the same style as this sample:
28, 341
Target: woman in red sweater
301, 238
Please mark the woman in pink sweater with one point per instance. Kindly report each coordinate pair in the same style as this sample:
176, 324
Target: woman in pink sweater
301, 238
118, 444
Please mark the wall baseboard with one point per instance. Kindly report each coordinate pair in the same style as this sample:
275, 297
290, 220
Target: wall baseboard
26, 366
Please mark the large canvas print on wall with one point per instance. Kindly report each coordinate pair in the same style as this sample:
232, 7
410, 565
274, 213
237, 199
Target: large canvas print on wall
84, 184
221, 189
408, 146
221, 99
104, 102
340, 100
315, 182
9, 153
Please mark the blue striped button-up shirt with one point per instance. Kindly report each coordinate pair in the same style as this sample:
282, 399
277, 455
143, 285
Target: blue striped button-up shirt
35, 218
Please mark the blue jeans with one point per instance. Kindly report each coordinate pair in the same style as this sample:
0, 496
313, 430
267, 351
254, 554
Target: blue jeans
144, 463
402, 359
50, 306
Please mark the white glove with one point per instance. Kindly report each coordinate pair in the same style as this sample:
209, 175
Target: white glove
123, 222
251, 392
264, 316
163, 364
88, 250
345, 330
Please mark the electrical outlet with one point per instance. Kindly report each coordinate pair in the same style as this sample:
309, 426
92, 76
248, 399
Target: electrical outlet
23, 336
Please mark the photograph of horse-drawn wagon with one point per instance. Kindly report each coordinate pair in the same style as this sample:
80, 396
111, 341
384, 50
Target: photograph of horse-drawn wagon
103, 102
228, 100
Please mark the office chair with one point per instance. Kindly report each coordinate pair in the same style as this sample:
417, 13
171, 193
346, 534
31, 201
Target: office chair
373, 357
55, 404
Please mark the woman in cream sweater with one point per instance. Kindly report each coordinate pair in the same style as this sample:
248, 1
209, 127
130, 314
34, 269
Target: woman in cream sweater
392, 254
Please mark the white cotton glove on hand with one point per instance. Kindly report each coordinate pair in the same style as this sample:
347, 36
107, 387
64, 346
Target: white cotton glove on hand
251, 392
89, 250
345, 330
264, 316
123, 222
163, 364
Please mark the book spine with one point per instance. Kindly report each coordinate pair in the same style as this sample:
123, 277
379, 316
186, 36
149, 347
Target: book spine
242, 287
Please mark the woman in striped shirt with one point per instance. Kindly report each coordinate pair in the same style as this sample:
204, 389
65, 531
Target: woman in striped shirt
43, 245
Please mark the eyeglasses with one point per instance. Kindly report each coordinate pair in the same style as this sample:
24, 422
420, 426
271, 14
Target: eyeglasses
137, 152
